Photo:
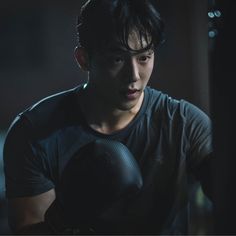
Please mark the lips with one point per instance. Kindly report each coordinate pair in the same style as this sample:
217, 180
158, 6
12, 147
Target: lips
130, 94
131, 91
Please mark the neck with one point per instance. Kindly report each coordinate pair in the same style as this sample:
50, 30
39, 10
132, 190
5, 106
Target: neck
106, 119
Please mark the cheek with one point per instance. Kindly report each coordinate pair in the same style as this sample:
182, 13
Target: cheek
106, 80
114, 72
147, 72
150, 69
151, 66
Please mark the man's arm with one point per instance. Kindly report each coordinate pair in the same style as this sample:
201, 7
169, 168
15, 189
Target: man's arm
25, 212
204, 175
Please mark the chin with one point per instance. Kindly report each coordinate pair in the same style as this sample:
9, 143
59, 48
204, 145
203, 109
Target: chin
127, 106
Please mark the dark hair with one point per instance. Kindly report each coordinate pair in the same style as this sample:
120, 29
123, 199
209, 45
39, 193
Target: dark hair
100, 20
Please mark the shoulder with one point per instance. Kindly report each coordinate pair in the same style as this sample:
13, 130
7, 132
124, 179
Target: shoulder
51, 107
162, 103
168, 108
49, 113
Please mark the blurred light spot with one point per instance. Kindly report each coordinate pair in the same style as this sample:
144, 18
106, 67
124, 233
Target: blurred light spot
217, 13
212, 33
211, 14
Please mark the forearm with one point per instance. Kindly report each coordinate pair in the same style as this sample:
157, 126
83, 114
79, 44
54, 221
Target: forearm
38, 228
54, 223
204, 175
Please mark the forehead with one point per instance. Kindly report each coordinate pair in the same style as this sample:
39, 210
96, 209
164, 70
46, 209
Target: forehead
135, 43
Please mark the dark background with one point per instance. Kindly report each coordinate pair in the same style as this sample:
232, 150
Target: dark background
37, 40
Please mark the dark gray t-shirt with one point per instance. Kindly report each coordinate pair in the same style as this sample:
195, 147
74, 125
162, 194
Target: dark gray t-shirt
169, 139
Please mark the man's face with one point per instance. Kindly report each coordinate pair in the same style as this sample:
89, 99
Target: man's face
119, 76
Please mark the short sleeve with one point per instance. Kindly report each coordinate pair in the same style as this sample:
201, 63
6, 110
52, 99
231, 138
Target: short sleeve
198, 133
23, 168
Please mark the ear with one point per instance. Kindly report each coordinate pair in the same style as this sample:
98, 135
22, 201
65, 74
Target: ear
82, 58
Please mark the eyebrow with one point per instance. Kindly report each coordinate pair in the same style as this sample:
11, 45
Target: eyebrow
120, 49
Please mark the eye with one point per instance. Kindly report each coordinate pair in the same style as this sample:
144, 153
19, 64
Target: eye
144, 58
117, 59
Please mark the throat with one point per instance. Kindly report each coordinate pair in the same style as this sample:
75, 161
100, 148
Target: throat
104, 119
111, 124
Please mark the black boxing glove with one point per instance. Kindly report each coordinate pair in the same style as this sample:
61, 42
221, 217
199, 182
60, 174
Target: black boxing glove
100, 177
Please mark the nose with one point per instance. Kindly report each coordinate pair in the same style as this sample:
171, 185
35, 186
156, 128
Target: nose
133, 69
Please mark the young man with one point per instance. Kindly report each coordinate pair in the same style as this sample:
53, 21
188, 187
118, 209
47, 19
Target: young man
169, 139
